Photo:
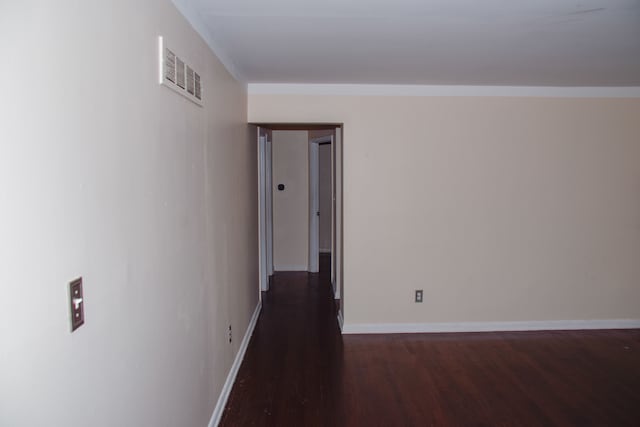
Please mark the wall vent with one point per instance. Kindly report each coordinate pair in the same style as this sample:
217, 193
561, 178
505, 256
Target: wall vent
177, 75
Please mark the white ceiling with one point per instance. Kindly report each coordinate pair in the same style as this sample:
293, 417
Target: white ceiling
431, 42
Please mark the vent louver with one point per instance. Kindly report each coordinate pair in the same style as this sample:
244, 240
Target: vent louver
177, 75
169, 65
198, 87
191, 83
180, 72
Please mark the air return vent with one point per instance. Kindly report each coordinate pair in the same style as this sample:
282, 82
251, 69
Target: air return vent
177, 75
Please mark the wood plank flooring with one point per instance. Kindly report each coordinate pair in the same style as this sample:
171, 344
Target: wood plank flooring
299, 371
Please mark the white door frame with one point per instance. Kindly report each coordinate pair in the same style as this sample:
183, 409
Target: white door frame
265, 181
265, 222
314, 201
337, 150
269, 205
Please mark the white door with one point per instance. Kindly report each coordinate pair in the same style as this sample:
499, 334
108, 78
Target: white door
314, 207
339, 290
264, 283
269, 206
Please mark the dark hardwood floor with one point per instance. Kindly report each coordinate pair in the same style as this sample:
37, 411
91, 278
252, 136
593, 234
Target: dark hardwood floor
299, 371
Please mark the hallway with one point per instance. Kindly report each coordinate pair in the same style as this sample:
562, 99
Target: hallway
292, 369
299, 371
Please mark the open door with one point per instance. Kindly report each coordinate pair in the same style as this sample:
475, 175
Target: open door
338, 245
314, 200
269, 203
314, 207
265, 210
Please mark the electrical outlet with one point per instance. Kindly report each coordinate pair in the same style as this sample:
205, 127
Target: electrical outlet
418, 295
230, 335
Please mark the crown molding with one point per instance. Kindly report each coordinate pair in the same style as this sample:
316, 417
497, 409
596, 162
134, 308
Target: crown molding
426, 90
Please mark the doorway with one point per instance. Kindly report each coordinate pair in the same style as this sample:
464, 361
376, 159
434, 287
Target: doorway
293, 187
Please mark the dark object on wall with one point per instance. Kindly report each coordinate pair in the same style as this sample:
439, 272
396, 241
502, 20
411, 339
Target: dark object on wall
280, 187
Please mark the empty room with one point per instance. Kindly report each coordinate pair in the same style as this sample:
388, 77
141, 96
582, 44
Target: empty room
305, 213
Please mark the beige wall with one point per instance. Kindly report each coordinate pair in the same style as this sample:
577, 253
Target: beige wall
324, 155
290, 157
107, 175
501, 209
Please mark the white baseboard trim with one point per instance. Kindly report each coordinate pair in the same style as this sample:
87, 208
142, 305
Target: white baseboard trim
231, 378
336, 295
340, 320
544, 325
284, 268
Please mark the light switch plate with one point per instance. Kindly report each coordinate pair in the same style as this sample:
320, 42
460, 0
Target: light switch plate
76, 303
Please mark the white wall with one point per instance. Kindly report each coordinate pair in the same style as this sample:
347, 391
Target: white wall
290, 158
107, 175
500, 208
325, 197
